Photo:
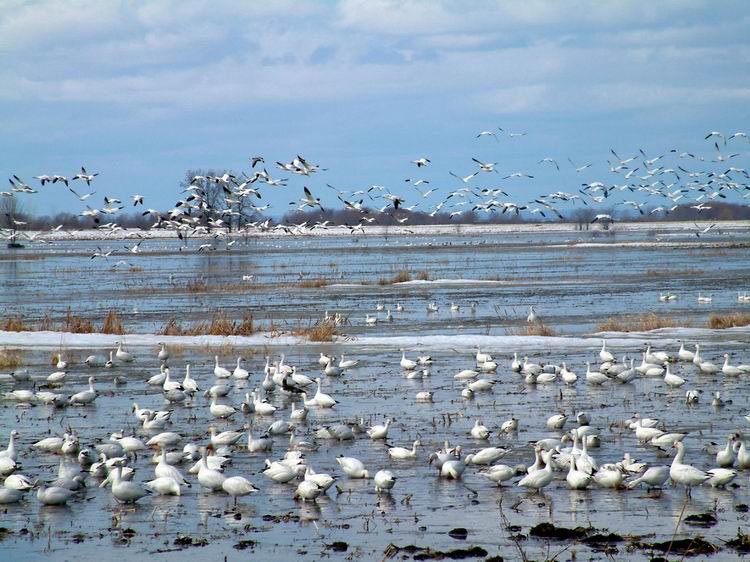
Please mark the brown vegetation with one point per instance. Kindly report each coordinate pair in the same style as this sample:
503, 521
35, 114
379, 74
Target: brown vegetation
10, 359
729, 321
196, 286
112, 323
219, 325
314, 283
638, 323
321, 331
14, 324
535, 329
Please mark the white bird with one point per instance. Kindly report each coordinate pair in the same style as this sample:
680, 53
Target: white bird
384, 481
352, 467
219, 371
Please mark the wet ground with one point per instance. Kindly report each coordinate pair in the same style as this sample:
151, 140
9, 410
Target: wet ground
573, 288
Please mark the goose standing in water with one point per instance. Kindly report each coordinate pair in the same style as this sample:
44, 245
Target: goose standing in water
85, 396
239, 372
532, 317
685, 474
123, 355
384, 481
352, 467
219, 371
605, 355
379, 431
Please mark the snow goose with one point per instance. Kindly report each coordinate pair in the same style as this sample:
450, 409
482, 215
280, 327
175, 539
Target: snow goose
350, 364
605, 355
708, 368
307, 490
401, 453
237, 486
539, 479
407, 364
123, 355
165, 470
54, 495
595, 377
671, 379
239, 372
556, 421
61, 364
209, 478
515, 365
720, 477
322, 399
498, 473
480, 431
379, 431
532, 317
163, 486
482, 357
56, 378
567, 376
352, 467
189, 384
125, 491
725, 457
324, 481
653, 477
163, 354
730, 370
10, 450
685, 474
384, 481
577, 479
85, 396
159, 378
219, 371
225, 437
10, 495
608, 478
221, 411
258, 444
684, 354
485, 456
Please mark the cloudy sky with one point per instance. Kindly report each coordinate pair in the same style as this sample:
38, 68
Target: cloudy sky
143, 91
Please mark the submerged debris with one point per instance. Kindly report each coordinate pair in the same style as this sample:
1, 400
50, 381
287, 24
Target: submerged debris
459, 533
741, 543
701, 520
685, 547
426, 553
550, 531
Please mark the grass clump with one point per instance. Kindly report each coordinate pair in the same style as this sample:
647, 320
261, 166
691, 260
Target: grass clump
721, 322
196, 286
219, 325
77, 324
535, 329
10, 359
15, 324
400, 276
321, 331
112, 323
314, 283
637, 323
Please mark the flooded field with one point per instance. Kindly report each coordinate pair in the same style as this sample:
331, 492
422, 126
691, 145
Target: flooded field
574, 280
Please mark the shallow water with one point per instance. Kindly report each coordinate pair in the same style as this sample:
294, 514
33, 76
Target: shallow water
422, 508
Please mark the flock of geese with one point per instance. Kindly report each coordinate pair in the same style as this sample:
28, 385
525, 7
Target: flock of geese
227, 204
176, 462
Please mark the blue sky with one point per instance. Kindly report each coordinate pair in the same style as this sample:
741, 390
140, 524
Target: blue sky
142, 91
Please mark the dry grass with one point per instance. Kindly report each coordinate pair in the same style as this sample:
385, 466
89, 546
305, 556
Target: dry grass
535, 329
637, 323
10, 359
196, 286
219, 325
423, 275
112, 323
314, 283
77, 324
400, 276
321, 331
15, 324
729, 321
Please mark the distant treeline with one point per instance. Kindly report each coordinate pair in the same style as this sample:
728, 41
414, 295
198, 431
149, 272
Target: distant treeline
717, 212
